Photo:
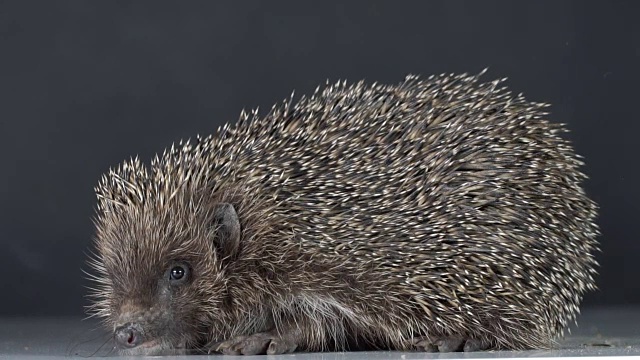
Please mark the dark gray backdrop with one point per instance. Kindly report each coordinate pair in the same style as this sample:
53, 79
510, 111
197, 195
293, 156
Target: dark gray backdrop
84, 84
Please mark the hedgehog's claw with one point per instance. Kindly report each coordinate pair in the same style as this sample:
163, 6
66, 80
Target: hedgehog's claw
257, 344
449, 344
472, 345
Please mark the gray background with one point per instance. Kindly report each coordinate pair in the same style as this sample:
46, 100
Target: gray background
85, 84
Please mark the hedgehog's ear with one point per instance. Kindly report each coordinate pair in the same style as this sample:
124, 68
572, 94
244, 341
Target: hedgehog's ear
227, 225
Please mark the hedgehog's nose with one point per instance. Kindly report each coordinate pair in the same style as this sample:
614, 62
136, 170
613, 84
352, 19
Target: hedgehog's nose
127, 336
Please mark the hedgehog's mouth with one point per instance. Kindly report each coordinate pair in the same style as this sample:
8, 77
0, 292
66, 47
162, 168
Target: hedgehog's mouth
155, 347
150, 344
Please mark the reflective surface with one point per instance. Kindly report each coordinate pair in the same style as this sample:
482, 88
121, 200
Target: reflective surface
601, 333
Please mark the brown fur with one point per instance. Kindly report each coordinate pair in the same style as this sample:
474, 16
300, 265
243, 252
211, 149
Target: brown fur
369, 214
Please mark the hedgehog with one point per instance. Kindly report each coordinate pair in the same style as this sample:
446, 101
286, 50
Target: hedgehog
437, 214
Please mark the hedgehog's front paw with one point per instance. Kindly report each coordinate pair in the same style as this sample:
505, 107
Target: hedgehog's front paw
257, 344
449, 344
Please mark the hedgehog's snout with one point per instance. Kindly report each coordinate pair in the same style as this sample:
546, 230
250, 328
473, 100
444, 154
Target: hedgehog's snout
138, 328
128, 336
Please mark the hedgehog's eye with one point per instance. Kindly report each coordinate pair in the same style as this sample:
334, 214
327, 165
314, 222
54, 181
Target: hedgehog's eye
178, 273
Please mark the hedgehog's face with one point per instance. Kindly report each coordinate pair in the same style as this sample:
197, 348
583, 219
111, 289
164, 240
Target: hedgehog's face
156, 314
162, 276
